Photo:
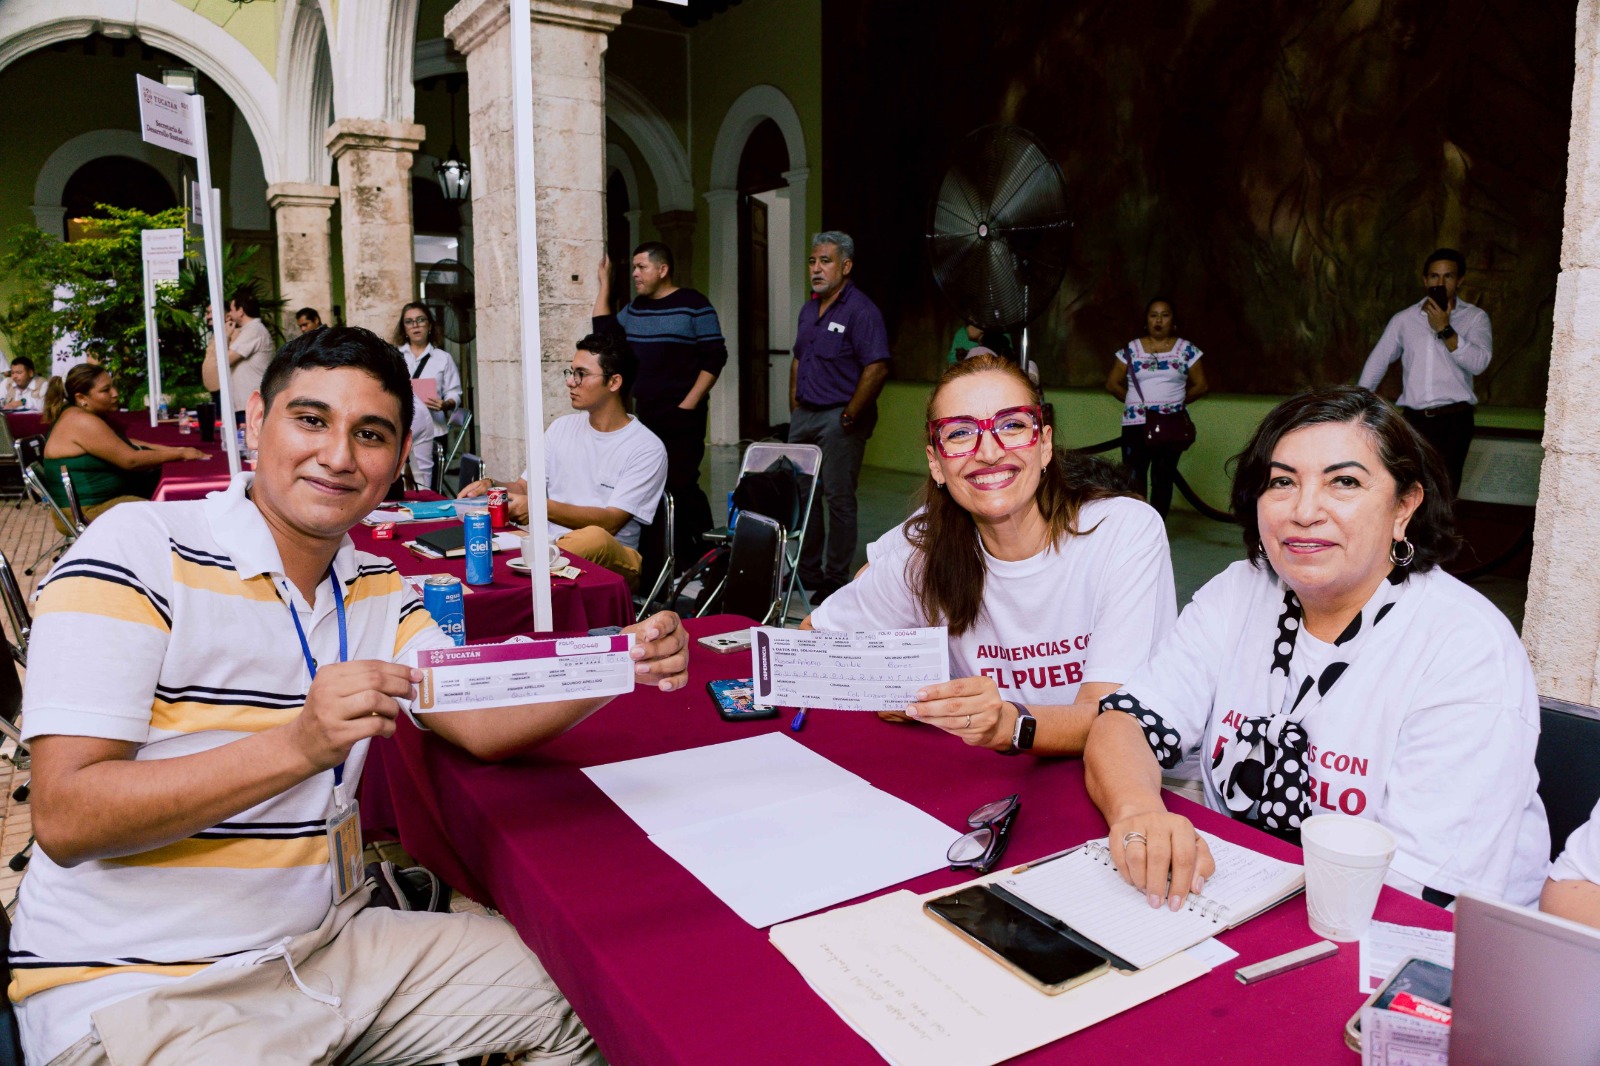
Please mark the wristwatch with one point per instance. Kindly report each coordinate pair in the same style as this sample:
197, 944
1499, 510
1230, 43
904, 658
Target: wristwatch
1022, 735
1446, 333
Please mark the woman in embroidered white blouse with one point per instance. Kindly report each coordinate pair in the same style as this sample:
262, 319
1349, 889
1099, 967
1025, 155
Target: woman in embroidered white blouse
1336, 669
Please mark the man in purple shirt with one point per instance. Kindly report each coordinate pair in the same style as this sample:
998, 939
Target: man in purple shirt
841, 360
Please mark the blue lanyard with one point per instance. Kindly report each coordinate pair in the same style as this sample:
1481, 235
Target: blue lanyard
344, 645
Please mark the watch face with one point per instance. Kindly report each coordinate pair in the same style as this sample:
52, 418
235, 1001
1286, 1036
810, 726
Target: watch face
1025, 727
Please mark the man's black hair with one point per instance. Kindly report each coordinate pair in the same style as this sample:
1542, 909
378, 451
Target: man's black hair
659, 254
246, 301
308, 312
614, 356
1449, 255
23, 360
337, 347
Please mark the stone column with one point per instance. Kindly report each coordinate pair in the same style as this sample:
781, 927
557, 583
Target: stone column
722, 286
1561, 626
569, 43
374, 163
301, 214
677, 232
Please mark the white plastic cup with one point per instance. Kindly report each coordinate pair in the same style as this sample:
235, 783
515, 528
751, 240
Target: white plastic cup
1346, 859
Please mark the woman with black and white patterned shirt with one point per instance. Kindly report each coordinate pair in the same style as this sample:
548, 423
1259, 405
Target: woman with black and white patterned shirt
1336, 669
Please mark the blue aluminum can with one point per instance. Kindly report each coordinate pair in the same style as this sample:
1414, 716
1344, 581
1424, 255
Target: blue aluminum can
441, 595
480, 548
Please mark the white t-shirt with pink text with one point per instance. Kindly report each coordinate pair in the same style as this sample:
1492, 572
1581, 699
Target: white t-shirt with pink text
1089, 609
1430, 731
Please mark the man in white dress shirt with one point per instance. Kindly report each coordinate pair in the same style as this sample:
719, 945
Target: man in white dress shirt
1442, 343
24, 390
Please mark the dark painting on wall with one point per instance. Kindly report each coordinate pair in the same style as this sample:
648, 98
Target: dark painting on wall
1277, 168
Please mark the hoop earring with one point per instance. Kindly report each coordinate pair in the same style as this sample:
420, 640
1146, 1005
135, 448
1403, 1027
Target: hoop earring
1394, 552
939, 484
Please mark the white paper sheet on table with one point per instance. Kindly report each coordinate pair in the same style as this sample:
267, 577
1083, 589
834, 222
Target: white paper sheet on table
1385, 946
922, 996
867, 670
772, 828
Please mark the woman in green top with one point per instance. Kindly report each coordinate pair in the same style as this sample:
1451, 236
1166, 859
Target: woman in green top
106, 467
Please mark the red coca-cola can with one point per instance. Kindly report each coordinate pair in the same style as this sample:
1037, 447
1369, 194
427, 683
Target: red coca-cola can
497, 506
383, 531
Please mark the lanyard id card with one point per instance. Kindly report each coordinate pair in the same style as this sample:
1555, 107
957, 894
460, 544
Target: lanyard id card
343, 826
344, 850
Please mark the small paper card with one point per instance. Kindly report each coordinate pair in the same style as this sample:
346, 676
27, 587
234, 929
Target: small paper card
865, 670
425, 389
509, 675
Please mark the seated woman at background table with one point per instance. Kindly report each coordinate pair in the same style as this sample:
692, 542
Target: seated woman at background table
1337, 669
106, 467
1054, 584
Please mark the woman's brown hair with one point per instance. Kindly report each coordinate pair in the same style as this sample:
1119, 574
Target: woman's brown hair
59, 395
947, 571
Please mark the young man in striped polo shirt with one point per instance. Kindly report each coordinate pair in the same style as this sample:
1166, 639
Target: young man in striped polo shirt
203, 682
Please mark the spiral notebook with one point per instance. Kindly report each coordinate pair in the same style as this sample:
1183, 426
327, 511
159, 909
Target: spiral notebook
1083, 890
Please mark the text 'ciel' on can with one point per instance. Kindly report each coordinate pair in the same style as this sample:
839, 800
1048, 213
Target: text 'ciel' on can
480, 548
442, 597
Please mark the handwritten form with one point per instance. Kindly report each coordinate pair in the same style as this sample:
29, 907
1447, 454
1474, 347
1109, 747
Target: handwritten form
922, 996
1389, 1038
1385, 946
773, 829
865, 670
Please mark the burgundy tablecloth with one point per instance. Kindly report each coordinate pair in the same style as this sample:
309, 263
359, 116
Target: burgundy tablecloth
664, 973
135, 424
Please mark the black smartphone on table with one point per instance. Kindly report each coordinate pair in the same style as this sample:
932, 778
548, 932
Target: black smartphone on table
735, 700
1418, 977
1041, 955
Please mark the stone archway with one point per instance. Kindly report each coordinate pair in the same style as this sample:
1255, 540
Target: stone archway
48, 212
305, 93
28, 25
618, 162
757, 104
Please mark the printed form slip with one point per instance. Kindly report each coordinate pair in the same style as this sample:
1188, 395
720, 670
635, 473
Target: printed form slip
864, 670
508, 675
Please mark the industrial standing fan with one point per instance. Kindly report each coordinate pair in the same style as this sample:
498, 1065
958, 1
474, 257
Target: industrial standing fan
998, 235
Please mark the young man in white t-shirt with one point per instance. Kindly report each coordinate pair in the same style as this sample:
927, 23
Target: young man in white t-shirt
604, 471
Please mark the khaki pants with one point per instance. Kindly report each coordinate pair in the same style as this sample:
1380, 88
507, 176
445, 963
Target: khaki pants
598, 546
369, 986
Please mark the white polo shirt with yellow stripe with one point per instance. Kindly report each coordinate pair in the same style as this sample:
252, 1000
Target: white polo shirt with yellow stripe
168, 625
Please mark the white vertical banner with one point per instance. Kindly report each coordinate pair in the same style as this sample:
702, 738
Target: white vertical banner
173, 119
161, 249
211, 234
152, 352
528, 294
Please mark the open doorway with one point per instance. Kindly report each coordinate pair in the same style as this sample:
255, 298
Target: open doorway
764, 325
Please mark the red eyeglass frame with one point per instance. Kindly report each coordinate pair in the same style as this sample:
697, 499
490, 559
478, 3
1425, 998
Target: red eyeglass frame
986, 425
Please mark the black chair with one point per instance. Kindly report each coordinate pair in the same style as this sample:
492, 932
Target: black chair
471, 470
11, 688
656, 555
755, 563
436, 481
1568, 759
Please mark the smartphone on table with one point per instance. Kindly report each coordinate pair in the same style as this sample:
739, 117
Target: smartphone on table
735, 700
1417, 978
1041, 955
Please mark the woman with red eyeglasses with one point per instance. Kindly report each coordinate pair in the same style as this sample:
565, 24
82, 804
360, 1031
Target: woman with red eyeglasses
1054, 584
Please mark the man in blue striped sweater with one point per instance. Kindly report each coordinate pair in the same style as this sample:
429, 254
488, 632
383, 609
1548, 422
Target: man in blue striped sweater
674, 334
